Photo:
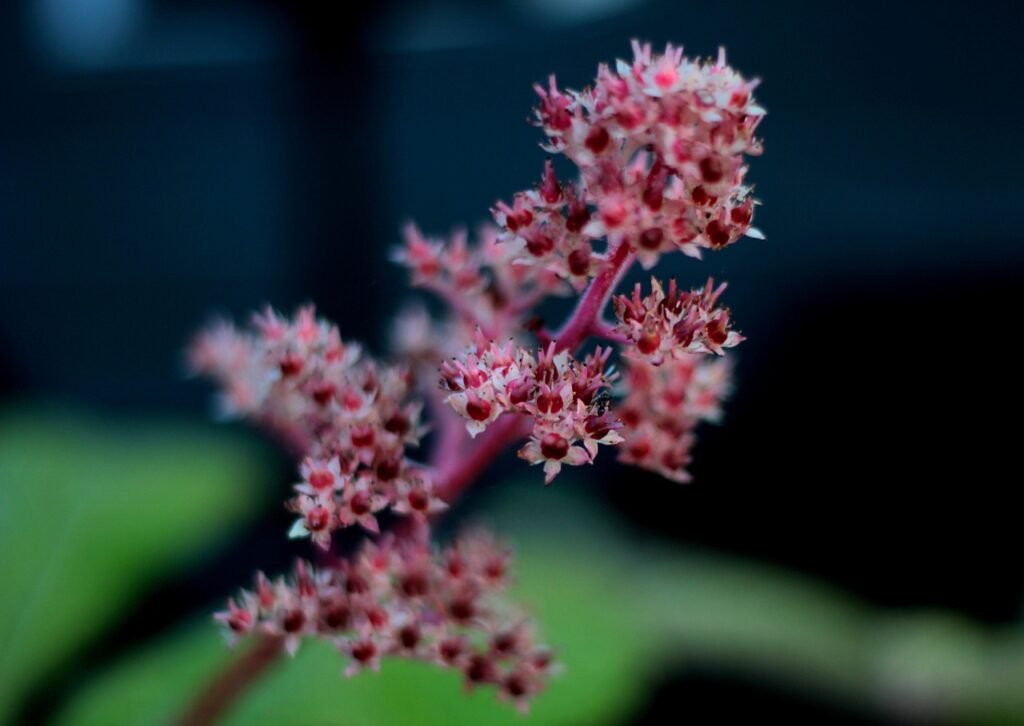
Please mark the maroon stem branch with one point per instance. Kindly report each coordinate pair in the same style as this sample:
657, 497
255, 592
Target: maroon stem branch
455, 475
228, 685
584, 320
605, 331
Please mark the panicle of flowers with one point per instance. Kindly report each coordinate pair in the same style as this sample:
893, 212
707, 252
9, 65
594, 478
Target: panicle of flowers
402, 598
351, 416
566, 399
663, 406
675, 323
660, 147
659, 144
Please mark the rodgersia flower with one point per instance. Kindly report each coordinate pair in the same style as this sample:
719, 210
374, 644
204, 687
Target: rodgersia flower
675, 323
663, 407
560, 394
353, 416
402, 598
660, 146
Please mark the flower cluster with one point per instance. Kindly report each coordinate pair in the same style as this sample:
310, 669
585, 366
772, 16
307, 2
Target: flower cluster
481, 283
675, 323
664, 405
352, 416
565, 398
401, 598
659, 144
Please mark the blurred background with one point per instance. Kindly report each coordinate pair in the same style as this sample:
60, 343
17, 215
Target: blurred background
850, 547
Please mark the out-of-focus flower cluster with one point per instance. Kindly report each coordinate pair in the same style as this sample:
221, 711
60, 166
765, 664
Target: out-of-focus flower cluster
675, 323
664, 405
566, 399
481, 283
660, 145
352, 416
401, 598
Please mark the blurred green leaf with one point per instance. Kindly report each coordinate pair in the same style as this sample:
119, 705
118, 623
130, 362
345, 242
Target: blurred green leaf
580, 593
91, 512
618, 610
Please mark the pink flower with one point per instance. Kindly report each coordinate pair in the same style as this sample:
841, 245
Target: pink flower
416, 497
404, 599
240, 617
663, 407
554, 447
675, 323
360, 503
660, 145
316, 520
320, 477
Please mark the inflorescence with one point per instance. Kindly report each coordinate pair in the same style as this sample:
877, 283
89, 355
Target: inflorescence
660, 146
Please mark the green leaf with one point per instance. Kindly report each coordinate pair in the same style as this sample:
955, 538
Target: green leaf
618, 609
571, 578
91, 513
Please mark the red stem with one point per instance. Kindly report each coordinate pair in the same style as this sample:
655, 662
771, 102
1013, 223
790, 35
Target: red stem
588, 311
605, 331
456, 474
451, 431
226, 687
